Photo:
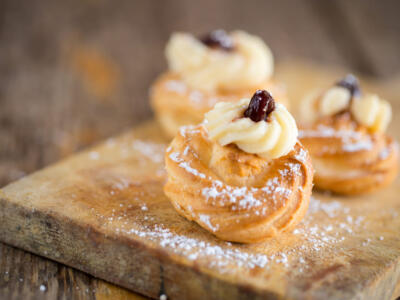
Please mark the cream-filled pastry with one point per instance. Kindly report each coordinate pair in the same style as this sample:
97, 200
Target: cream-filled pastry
219, 67
344, 131
241, 174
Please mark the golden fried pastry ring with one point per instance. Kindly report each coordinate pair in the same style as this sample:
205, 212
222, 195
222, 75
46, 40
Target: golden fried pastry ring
176, 104
237, 196
347, 158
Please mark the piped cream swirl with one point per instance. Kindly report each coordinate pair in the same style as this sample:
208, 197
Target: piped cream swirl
372, 112
369, 110
210, 69
321, 104
269, 139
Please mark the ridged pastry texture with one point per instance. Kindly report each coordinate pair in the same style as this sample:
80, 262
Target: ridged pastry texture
235, 195
209, 69
347, 157
272, 139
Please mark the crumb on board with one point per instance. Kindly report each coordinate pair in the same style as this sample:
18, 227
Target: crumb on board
336, 222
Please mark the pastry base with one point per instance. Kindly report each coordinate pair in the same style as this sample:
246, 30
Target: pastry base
344, 179
239, 197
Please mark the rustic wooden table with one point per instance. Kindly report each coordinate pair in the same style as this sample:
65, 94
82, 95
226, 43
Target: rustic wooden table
75, 72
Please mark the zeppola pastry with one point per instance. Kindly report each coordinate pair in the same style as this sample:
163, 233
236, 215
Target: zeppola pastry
218, 67
345, 134
241, 174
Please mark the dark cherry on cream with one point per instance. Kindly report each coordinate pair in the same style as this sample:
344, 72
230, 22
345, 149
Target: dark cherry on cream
350, 82
218, 39
260, 106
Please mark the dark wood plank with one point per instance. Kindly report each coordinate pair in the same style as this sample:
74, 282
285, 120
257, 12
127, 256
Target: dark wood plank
27, 276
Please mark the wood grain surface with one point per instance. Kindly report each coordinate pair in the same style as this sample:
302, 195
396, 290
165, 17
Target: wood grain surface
73, 73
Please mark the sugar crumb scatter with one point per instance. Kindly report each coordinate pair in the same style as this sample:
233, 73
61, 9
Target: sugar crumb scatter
352, 141
176, 86
163, 297
310, 239
93, 155
327, 225
152, 151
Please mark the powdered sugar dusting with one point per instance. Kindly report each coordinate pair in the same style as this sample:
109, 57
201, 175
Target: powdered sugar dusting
185, 165
322, 233
239, 197
325, 228
307, 240
335, 222
358, 146
301, 156
152, 151
218, 254
93, 155
243, 197
184, 129
206, 220
352, 141
196, 97
384, 154
176, 86
42, 288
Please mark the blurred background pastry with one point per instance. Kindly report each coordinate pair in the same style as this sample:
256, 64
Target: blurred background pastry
344, 130
220, 66
242, 174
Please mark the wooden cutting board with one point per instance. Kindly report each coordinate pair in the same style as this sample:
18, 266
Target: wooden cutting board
103, 211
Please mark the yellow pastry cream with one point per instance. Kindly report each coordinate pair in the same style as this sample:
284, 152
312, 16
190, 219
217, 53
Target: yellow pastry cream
344, 130
241, 174
202, 71
269, 139
368, 110
372, 112
247, 62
